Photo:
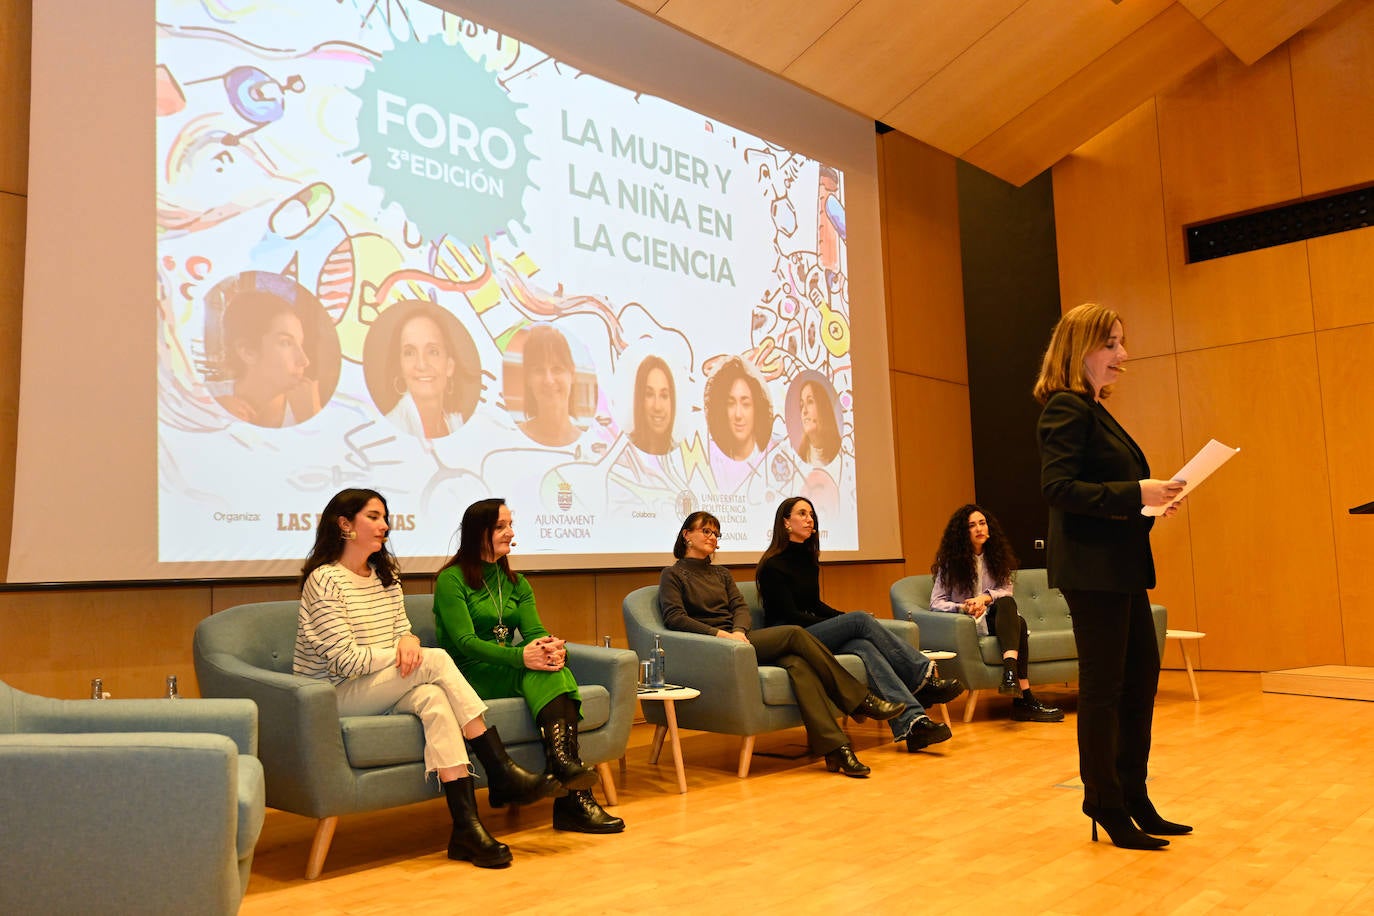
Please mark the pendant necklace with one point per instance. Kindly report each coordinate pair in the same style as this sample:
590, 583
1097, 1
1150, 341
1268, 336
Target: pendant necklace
500, 631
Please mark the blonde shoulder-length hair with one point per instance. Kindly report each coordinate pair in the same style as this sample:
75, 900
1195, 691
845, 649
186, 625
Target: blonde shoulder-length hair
1080, 331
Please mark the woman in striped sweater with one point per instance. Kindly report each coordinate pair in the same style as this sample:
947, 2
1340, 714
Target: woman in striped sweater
352, 631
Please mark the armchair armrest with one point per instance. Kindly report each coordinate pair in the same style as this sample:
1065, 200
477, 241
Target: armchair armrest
711, 664
298, 730
236, 719
905, 630
948, 632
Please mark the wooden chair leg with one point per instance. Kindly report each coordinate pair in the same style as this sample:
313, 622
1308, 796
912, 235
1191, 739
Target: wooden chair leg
746, 756
970, 704
608, 782
319, 847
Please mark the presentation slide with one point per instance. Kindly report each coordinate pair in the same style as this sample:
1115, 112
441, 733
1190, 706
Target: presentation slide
402, 249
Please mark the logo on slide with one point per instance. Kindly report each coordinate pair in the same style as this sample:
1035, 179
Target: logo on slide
444, 140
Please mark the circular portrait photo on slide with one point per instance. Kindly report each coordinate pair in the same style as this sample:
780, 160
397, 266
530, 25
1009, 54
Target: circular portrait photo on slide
549, 385
739, 413
422, 369
648, 402
271, 357
813, 419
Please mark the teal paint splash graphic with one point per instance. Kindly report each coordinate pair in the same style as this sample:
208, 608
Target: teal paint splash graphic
444, 140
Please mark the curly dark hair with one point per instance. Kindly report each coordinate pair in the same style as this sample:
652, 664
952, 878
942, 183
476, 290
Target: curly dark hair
954, 558
717, 393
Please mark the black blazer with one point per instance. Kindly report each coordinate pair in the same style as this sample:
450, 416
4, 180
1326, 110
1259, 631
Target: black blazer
1090, 471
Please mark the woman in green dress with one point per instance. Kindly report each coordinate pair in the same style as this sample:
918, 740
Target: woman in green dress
480, 605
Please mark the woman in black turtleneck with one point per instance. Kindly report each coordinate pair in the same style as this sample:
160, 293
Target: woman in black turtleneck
698, 597
789, 580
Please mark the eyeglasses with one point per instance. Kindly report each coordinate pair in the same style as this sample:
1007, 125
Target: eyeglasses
710, 533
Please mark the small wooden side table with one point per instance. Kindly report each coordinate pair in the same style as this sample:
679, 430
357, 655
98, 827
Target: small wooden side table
668, 696
1184, 637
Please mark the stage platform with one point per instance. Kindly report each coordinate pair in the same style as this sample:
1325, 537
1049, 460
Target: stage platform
1342, 682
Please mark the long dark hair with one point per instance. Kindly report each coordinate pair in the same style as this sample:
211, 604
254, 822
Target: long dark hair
954, 559
827, 440
329, 542
688, 523
474, 539
780, 536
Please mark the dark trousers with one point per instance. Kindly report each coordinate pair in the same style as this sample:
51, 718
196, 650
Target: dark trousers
815, 676
1118, 674
1012, 633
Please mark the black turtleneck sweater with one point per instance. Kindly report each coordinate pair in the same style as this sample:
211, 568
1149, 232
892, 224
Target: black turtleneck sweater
790, 588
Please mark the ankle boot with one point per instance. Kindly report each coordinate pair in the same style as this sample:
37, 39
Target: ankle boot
470, 839
579, 812
560, 755
875, 707
1119, 828
508, 783
1143, 812
842, 760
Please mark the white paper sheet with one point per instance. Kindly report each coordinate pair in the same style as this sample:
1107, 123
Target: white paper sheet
1208, 458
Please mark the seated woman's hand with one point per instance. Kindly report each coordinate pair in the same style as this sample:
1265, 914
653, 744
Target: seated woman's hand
409, 654
731, 634
544, 654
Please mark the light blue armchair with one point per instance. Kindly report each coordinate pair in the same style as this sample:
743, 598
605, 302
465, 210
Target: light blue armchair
126, 806
738, 695
321, 765
978, 663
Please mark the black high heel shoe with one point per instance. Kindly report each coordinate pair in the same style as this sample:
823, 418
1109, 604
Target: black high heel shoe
842, 760
1120, 830
1143, 812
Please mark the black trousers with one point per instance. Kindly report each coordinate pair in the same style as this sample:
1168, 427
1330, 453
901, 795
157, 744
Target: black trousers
1012, 633
815, 675
1118, 674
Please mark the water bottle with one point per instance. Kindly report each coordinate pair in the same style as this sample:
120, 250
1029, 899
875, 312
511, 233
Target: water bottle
97, 689
658, 670
172, 693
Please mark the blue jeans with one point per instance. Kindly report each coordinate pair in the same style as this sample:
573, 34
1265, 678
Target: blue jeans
895, 669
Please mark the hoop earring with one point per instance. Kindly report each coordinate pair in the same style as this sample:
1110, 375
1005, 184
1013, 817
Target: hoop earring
448, 389
398, 385
348, 535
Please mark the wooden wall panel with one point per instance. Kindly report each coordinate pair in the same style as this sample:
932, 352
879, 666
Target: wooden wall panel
1108, 259
567, 604
612, 587
771, 33
1347, 393
860, 586
1334, 109
1146, 61
1253, 28
934, 461
1263, 545
1034, 49
16, 34
925, 291
52, 642
1228, 144
1342, 275
1147, 404
873, 56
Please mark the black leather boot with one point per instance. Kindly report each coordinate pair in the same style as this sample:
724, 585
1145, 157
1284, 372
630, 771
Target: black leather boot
875, 707
560, 755
1143, 812
1119, 828
508, 783
470, 840
579, 812
842, 760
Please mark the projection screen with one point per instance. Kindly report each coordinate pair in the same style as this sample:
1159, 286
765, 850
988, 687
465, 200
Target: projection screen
554, 252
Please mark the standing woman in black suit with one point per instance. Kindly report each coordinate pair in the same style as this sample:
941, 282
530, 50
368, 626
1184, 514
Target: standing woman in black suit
1096, 480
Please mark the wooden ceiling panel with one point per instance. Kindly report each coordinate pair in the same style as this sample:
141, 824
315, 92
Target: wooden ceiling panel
1253, 28
771, 33
1149, 60
881, 50
1026, 56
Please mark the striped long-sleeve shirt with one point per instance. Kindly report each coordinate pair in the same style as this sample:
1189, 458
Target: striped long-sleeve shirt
348, 625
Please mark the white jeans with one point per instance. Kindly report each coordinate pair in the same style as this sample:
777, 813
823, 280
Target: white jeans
436, 691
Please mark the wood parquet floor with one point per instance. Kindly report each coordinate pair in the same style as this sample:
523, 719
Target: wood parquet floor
1279, 788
